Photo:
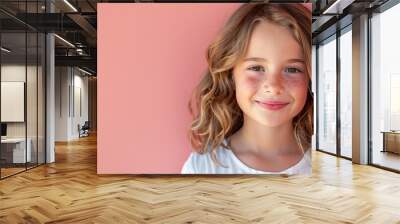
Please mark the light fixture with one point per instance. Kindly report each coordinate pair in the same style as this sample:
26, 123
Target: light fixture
70, 5
84, 71
64, 40
337, 7
5, 50
79, 51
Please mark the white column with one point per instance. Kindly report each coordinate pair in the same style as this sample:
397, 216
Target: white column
360, 90
50, 93
50, 110
314, 90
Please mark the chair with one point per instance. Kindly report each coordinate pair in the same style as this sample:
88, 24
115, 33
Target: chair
84, 130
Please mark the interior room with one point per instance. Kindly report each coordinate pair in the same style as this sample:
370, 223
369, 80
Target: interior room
49, 127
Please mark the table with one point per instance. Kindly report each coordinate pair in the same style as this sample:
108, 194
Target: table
16, 151
391, 141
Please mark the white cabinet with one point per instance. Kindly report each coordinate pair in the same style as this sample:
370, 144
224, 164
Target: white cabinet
18, 149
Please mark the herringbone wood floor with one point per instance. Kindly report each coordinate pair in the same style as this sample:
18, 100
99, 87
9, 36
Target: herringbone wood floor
70, 191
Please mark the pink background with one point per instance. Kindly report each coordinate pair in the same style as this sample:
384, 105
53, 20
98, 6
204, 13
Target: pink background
150, 57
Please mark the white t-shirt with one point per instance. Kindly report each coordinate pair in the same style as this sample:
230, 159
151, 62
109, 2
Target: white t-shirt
203, 164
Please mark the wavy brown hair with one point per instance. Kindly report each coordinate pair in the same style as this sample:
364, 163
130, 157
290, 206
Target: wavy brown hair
213, 105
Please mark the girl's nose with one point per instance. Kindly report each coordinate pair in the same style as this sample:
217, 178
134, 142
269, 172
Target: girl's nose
273, 84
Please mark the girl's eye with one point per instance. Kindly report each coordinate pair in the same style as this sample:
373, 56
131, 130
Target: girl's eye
256, 68
293, 70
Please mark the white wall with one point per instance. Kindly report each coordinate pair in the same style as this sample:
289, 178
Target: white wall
12, 73
61, 103
70, 83
12, 101
79, 117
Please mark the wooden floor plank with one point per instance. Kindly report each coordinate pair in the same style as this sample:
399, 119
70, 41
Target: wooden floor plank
70, 191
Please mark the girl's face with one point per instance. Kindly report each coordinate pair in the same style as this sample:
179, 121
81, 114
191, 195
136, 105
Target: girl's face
271, 81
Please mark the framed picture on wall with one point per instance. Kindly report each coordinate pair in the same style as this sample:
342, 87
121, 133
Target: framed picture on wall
244, 69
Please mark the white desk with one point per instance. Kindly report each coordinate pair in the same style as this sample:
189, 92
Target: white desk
18, 149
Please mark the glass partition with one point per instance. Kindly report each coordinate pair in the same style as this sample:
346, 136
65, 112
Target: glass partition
13, 109
326, 85
22, 88
32, 95
41, 85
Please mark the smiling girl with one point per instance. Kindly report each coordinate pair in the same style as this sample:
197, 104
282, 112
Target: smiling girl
253, 108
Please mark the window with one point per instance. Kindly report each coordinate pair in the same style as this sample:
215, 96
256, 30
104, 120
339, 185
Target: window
346, 93
327, 96
385, 89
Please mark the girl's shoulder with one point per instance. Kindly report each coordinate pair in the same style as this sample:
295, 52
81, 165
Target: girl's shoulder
303, 167
202, 163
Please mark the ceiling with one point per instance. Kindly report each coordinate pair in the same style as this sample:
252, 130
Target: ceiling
74, 21
332, 15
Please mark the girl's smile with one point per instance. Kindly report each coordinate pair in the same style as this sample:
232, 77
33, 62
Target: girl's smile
271, 104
